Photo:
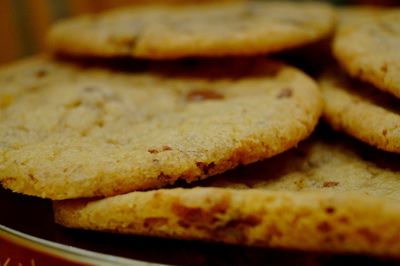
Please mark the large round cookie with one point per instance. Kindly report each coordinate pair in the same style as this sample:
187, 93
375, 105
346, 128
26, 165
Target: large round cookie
81, 131
327, 195
361, 110
367, 45
213, 29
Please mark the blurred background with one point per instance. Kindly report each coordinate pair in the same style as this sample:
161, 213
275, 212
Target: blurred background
24, 23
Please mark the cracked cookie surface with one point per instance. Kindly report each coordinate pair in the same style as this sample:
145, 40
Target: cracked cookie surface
216, 29
80, 130
367, 44
329, 194
361, 110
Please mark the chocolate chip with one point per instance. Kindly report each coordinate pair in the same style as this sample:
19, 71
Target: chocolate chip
205, 168
127, 44
130, 43
384, 68
285, 93
41, 73
330, 184
324, 227
329, 210
159, 149
154, 222
367, 234
203, 95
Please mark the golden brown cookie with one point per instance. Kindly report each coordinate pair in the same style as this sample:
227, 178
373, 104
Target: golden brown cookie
361, 110
80, 131
328, 195
208, 29
367, 45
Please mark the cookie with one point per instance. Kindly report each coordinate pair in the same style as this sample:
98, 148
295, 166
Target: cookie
328, 195
366, 45
361, 110
209, 29
91, 131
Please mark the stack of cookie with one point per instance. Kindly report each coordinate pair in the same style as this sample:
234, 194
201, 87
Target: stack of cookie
366, 46
133, 121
